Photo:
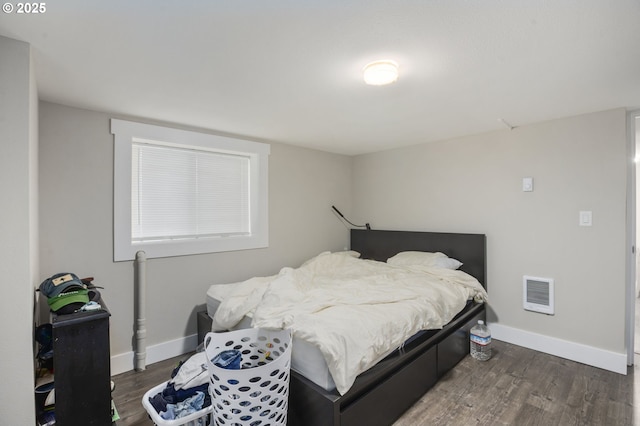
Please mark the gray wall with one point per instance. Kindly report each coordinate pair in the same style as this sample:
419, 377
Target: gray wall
76, 198
474, 184
18, 227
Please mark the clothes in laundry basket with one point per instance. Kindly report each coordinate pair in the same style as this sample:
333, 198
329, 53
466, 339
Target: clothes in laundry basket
229, 359
189, 379
193, 371
184, 408
170, 395
190, 373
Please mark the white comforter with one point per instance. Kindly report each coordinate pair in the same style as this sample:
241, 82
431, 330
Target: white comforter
355, 311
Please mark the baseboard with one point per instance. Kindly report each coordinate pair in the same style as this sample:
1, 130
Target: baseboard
601, 358
595, 357
126, 362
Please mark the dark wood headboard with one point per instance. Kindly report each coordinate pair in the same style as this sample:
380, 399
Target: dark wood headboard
470, 249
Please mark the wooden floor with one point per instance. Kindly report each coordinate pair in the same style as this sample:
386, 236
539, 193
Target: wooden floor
517, 386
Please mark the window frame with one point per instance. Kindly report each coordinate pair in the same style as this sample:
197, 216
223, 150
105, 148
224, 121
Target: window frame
127, 132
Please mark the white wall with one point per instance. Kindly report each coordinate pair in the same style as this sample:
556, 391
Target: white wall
636, 143
76, 193
474, 184
18, 219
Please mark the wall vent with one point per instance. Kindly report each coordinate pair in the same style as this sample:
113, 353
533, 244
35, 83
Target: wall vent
538, 294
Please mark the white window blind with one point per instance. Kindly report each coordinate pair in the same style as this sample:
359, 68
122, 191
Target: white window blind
178, 192
181, 193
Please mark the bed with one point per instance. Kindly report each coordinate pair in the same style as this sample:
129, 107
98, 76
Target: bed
383, 392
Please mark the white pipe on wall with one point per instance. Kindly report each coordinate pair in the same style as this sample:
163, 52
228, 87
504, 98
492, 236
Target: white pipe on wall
141, 331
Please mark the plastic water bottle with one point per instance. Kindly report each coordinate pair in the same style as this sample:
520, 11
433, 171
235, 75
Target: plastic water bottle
480, 341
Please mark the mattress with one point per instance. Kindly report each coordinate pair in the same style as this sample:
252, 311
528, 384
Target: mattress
306, 359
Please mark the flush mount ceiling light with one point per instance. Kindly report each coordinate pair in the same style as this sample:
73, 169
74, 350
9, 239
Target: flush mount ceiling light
379, 73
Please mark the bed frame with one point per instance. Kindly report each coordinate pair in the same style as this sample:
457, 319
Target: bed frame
383, 393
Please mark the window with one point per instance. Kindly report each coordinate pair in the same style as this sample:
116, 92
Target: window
179, 192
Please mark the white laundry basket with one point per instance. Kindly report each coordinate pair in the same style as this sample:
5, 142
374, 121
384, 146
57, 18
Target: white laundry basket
257, 394
199, 418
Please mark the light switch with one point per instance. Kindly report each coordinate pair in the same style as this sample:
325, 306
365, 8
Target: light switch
585, 218
527, 184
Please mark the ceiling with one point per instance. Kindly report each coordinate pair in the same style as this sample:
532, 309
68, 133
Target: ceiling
290, 71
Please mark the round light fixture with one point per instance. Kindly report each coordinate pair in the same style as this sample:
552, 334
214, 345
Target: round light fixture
379, 73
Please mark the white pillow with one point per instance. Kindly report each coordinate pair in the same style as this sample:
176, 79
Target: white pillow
409, 258
447, 263
423, 258
350, 253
